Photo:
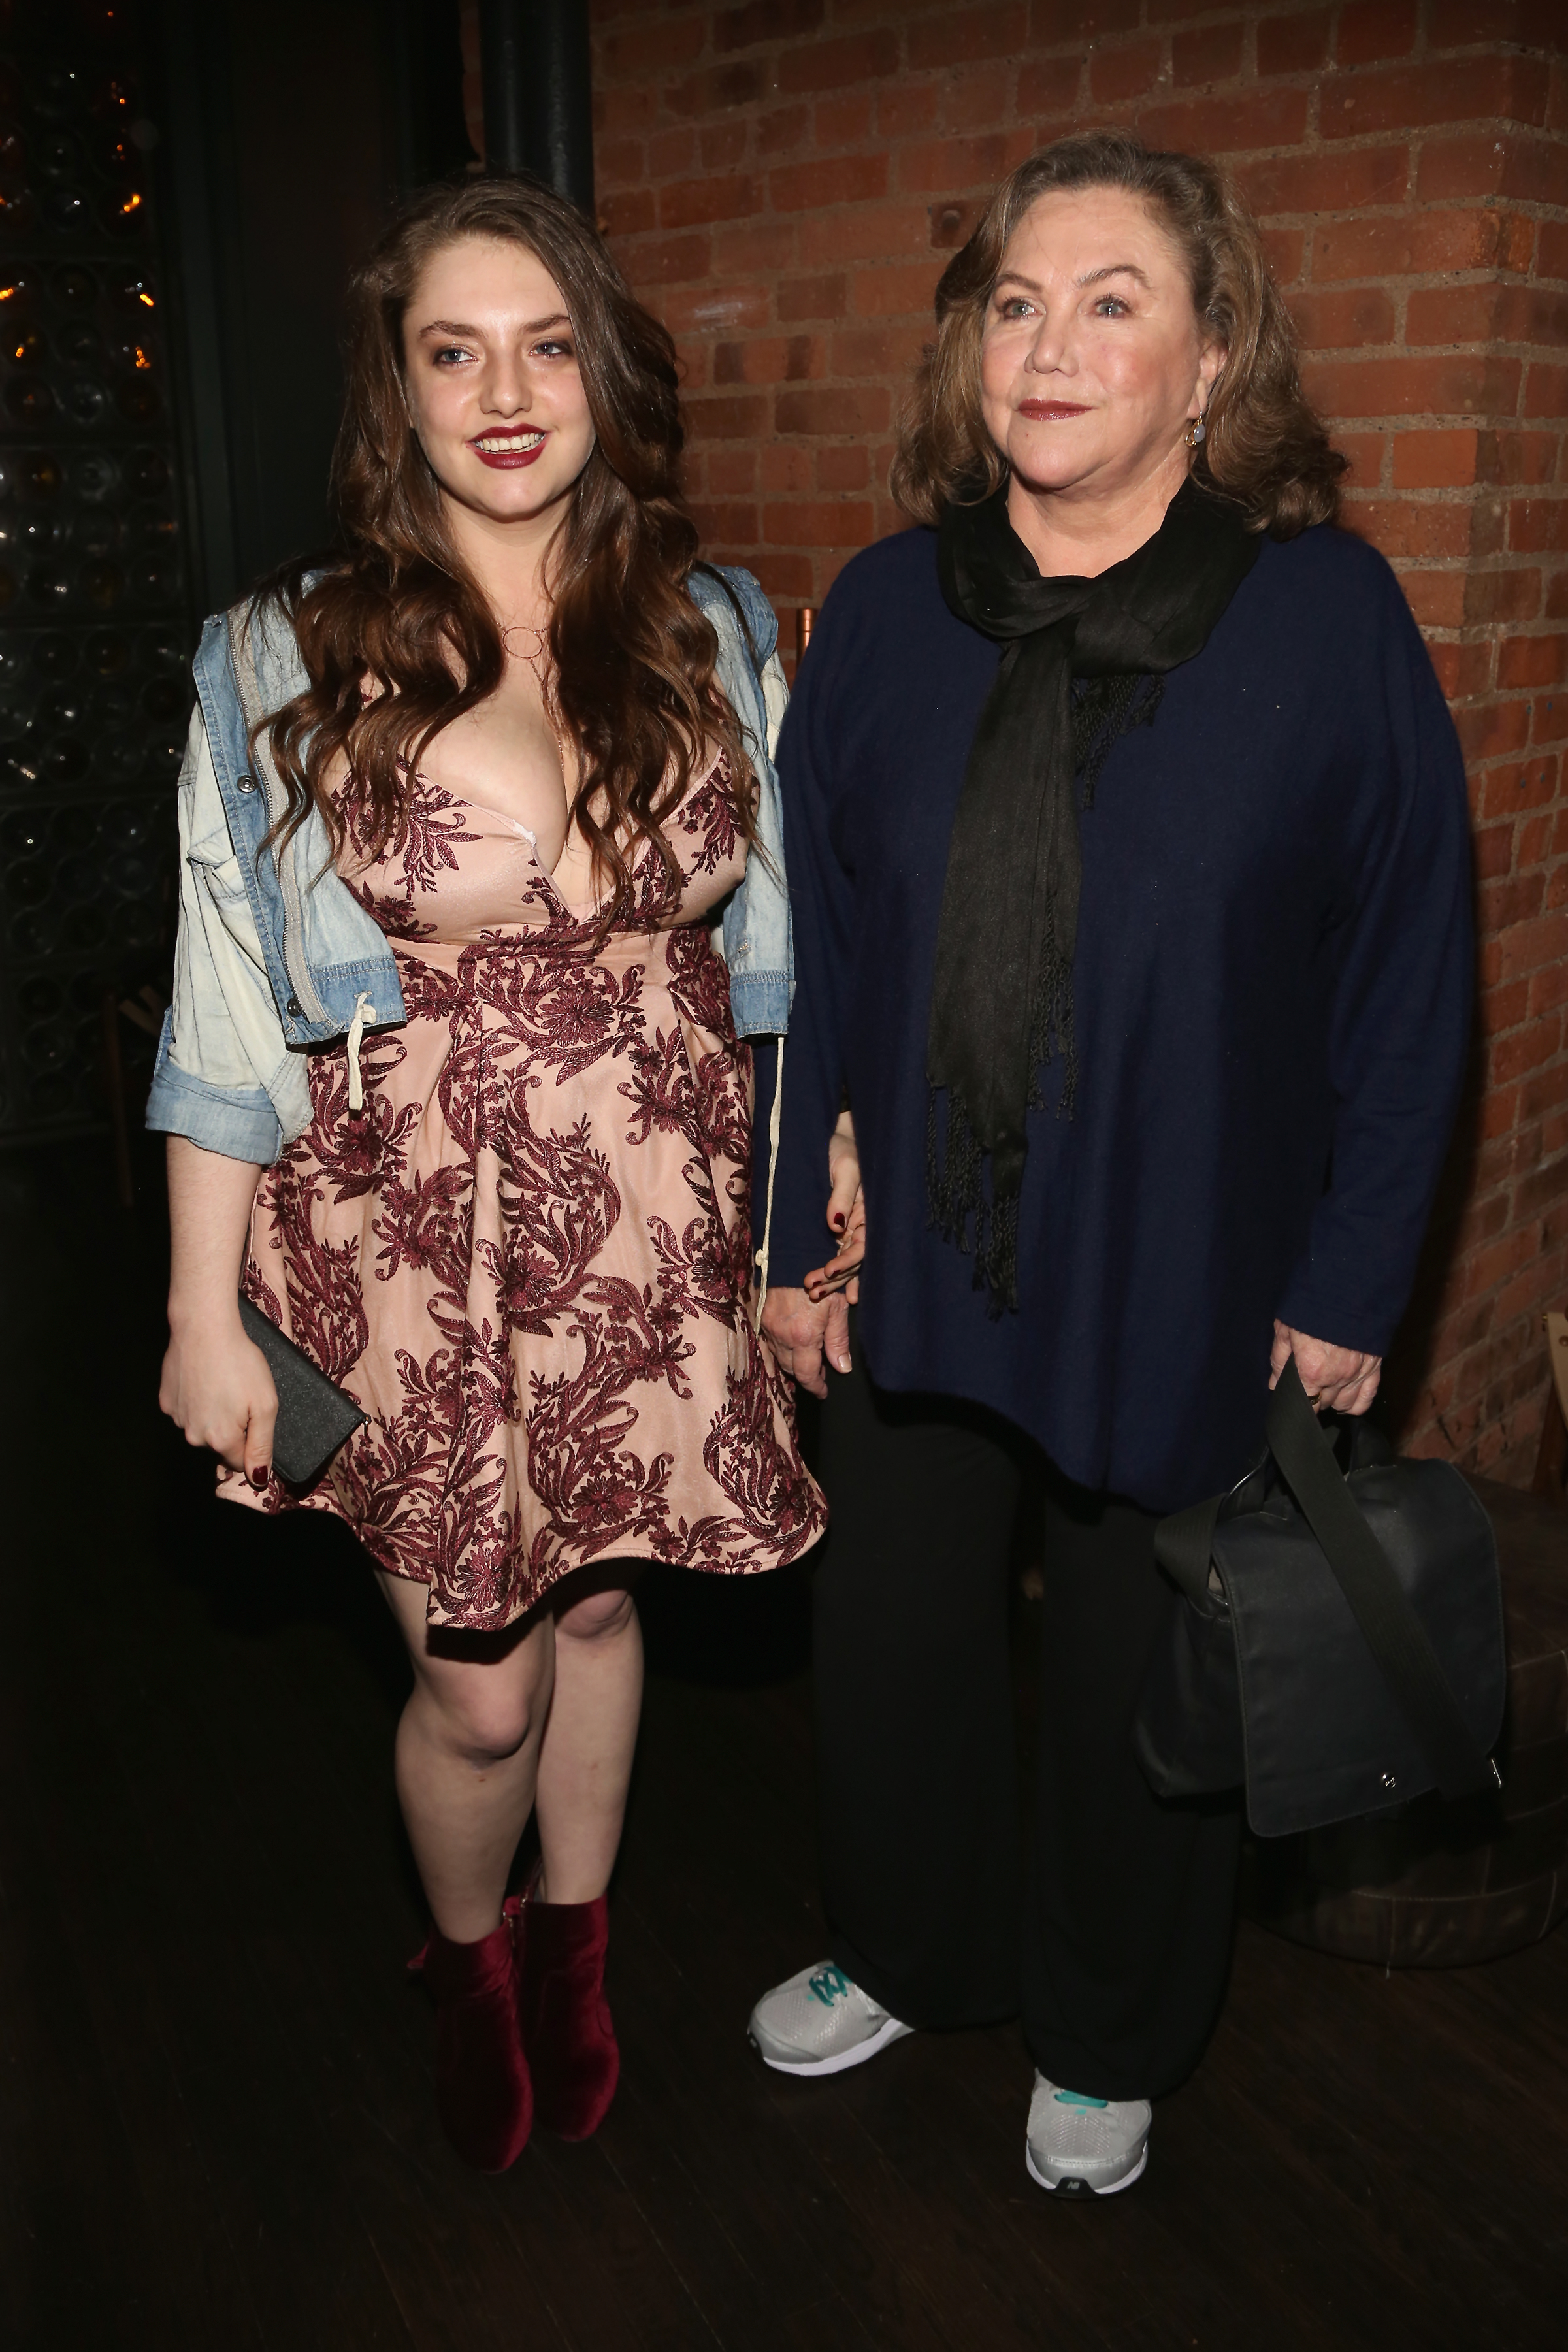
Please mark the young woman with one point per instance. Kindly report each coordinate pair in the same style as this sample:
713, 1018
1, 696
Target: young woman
1130, 864
458, 812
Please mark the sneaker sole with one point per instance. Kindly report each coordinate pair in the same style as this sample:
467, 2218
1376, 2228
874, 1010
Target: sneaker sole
885, 2034
1074, 2184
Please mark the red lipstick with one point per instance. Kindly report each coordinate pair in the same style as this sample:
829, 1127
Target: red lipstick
509, 446
1051, 412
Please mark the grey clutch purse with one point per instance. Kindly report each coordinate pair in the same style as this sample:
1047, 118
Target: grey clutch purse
314, 1415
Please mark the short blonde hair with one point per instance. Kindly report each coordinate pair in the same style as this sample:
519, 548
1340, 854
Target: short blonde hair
1264, 447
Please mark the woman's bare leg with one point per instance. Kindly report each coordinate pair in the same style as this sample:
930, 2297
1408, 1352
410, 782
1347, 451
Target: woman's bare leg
586, 1763
467, 1756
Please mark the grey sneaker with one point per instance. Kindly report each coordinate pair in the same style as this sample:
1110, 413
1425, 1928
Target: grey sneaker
1085, 2147
819, 2023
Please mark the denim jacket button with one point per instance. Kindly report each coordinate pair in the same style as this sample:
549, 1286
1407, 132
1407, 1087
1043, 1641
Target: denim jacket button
246, 784
295, 1007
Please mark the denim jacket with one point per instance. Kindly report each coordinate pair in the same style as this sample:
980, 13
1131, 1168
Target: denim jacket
276, 955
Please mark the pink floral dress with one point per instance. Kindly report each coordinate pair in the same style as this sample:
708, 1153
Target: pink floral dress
528, 1258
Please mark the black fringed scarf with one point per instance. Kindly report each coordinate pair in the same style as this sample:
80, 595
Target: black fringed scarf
1001, 1005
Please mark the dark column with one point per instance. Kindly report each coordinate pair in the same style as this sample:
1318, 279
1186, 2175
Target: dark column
533, 58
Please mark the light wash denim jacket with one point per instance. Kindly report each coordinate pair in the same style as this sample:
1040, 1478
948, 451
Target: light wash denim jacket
276, 955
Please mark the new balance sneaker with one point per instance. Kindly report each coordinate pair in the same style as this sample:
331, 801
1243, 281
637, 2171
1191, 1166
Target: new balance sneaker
819, 2023
1085, 2147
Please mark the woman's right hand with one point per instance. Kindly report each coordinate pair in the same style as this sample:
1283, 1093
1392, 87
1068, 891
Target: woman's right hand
218, 1387
804, 1331
845, 1218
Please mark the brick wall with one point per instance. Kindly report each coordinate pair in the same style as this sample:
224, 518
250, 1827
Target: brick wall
784, 181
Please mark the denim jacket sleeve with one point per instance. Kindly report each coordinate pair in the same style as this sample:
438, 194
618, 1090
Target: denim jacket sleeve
758, 940
225, 1074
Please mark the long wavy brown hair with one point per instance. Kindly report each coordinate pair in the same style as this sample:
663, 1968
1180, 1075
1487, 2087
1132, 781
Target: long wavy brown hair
1264, 447
632, 658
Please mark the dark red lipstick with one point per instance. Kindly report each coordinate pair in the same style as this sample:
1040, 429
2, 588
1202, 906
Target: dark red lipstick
1051, 412
508, 448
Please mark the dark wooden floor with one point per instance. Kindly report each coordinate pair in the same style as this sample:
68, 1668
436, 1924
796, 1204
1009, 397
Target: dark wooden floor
215, 2123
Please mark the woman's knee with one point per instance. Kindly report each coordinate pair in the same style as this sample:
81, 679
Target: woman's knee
597, 1616
487, 1714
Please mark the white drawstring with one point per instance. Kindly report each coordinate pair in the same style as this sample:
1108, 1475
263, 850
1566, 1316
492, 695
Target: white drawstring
363, 1010
773, 1119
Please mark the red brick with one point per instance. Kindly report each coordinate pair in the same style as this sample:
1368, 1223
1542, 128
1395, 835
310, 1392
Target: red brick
1532, 661
906, 111
956, 35
1371, 30
719, 87
1534, 171
780, 358
900, 291
732, 472
1269, 118
1126, 72
722, 145
663, 260
841, 123
1549, 719
758, 244
1293, 44
689, 204
642, 53
812, 297
1461, 668
841, 468
1546, 392
1365, 451
1493, 845
800, 522
1451, 314
735, 524
1410, 243
1048, 86
1502, 596
1434, 461
787, 467
838, 180
1406, 98
1435, 598
618, 161
1517, 457
837, 65
866, 410
1054, 22
740, 417
1537, 526
1527, 947
1405, 527
1488, 731
1344, 180
934, 165
1460, 383
1555, 603
1285, 250
1328, 321
1518, 787
784, 575
1461, 24
1526, 1049
709, 310
978, 99
626, 212
763, 20
866, 233
782, 131
1552, 251
878, 350
670, 152
1501, 1009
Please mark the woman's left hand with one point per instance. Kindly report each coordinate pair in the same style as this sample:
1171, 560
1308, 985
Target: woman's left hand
1337, 1380
845, 1217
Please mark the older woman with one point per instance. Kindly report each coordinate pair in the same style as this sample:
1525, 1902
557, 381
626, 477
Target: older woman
1128, 850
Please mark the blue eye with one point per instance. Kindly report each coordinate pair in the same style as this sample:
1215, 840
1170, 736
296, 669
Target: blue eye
448, 353
1111, 306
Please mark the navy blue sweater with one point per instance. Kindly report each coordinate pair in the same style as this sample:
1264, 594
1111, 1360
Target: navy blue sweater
1273, 988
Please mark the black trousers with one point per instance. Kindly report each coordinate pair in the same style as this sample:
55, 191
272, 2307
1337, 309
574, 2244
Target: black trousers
1110, 1928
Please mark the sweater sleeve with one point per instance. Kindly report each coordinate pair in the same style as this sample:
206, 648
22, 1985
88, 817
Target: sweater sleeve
1401, 1008
821, 903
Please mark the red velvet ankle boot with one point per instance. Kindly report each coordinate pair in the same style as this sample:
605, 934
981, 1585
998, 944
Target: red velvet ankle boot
566, 2028
483, 2095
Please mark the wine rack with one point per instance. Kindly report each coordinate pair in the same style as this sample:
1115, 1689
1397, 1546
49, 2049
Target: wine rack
95, 624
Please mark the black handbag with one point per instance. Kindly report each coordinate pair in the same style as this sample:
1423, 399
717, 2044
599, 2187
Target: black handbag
1339, 1644
314, 1415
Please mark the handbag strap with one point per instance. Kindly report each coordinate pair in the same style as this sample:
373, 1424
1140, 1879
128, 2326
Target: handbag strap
1184, 1546
1389, 1625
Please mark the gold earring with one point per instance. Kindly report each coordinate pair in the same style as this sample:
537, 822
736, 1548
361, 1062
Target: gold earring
1196, 431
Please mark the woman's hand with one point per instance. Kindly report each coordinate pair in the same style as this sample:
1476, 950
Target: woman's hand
1337, 1379
218, 1387
845, 1218
804, 1331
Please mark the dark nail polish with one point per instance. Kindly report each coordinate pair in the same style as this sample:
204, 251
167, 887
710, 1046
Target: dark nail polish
837, 1220
259, 1478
